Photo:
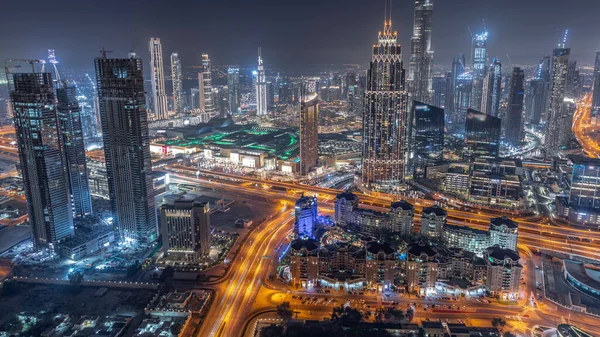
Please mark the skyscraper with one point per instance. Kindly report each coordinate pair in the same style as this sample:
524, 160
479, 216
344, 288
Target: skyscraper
69, 117
207, 103
535, 100
233, 84
159, 96
177, 78
185, 229
385, 115
479, 58
439, 87
306, 217
596, 88
41, 156
261, 87
309, 128
120, 85
492, 89
458, 68
482, 136
558, 86
574, 85
421, 55
463, 93
427, 138
514, 115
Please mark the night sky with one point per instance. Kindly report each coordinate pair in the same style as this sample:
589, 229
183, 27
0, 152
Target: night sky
292, 33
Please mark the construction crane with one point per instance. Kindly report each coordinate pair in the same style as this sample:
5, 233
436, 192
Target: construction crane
54, 62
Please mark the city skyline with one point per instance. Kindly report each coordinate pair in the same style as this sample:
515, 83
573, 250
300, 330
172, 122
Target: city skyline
523, 39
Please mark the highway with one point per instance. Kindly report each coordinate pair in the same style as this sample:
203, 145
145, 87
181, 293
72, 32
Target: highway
583, 130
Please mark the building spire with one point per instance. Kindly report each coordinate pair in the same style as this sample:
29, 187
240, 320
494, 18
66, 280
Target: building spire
562, 43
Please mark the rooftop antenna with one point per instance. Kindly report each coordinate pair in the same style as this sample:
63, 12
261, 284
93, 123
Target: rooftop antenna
103, 52
562, 43
54, 62
385, 12
390, 12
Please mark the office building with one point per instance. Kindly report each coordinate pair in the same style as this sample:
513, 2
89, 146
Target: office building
69, 117
157, 76
585, 183
176, 77
306, 217
503, 272
463, 95
433, 220
427, 138
514, 114
558, 87
479, 58
233, 85
309, 132
185, 229
596, 89
482, 136
536, 100
458, 68
504, 233
421, 55
492, 89
207, 102
439, 89
574, 84
385, 119
120, 85
261, 87
41, 157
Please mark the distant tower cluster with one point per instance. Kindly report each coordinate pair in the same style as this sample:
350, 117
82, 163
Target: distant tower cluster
159, 96
176, 76
385, 118
261, 87
421, 55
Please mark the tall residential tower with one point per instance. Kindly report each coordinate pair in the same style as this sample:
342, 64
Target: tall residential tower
309, 135
421, 55
479, 58
261, 87
558, 86
159, 96
176, 77
514, 114
207, 103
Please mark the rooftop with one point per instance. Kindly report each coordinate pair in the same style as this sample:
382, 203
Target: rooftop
502, 254
586, 274
504, 221
403, 204
583, 160
374, 247
434, 210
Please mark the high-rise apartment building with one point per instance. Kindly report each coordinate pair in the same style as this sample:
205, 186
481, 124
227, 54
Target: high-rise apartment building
306, 217
185, 229
233, 84
385, 117
596, 89
120, 85
458, 68
433, 220
492, 89
261, 87
504, 233
157, 75
41, 156
309, 132
536, 100
558, 87
514, 114
479, 58
463, 95
426, 138
177, 78
421, 55
69, 117
439, 88
207, 104
482, 136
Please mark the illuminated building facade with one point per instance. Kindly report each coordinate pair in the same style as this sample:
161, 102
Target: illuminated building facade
479, 58
504, 233
385, 118
306, 217
596, 88
261, 87
585, 183
558, 87
427, 138
433, 220
482, 135
503, 272
463, 93
157, 76
421, 55
69, 117
233, 85
207, 104
458, 68
492, 89
185, 229
41, 156
176, 77
120, 85
309, 132
514, 114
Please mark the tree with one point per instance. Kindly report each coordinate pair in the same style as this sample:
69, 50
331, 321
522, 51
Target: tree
498, 323
410, 313
75, 278
272, 331
133, 269
284, 312
345, 314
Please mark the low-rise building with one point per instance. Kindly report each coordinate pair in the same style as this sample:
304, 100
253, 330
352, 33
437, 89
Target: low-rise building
304, 262
503, 272
504, 233
345, 203
433, 220
469, 239
402, 213
87, 241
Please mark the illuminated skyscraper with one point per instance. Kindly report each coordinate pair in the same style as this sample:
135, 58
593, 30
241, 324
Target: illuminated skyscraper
121, 98
458, 68
492, 89
207, 103
41, 156
421, 55
463, 93
479, 59
306, 217
514, 115
426, 139
385, 117
596, 88
157, 75
176, 76
233, 84
309, 132
69, 117
439, 87
558, 86
261, 87
482, 136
